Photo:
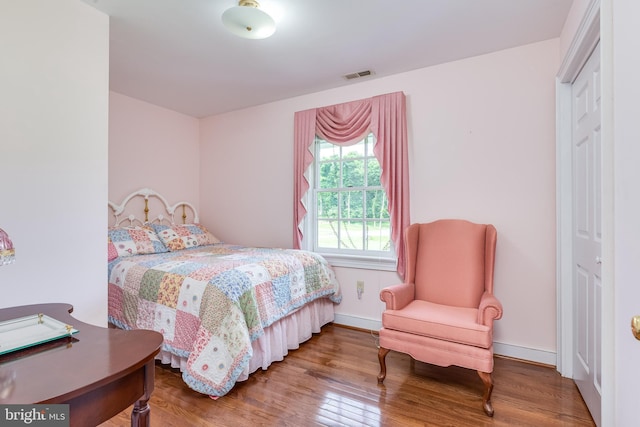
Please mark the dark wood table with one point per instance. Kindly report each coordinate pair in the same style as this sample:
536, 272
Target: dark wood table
99, 372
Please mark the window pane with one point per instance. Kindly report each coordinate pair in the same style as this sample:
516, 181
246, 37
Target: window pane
378, 236
327, 205
373, 172
353, 173
328, 234
351, 204
377, 206
369, 141
329, 175
356, 150
328, 151
351, 236
351, 208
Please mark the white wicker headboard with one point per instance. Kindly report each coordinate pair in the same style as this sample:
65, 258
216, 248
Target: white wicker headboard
120, 213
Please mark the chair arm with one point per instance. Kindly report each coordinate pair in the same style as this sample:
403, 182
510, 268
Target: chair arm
490, 309
398, 296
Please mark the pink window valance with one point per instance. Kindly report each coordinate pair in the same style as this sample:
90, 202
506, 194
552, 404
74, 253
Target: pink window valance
348, 123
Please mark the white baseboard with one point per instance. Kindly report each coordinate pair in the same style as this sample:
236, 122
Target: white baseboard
525, 353
357, 322
509, 350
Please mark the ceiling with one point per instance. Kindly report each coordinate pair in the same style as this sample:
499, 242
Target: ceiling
178, 55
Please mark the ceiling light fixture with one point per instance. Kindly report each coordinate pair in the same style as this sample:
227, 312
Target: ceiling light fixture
246, 20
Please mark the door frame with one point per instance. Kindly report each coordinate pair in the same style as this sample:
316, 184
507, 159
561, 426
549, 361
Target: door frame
583, 44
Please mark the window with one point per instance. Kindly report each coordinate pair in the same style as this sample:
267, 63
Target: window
385, 117
349, 215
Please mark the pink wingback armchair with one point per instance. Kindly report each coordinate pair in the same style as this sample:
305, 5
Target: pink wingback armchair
443, 313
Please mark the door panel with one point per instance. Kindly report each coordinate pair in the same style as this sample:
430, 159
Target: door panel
582, 315
587, 233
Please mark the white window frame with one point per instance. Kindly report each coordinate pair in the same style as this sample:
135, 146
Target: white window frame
370, 260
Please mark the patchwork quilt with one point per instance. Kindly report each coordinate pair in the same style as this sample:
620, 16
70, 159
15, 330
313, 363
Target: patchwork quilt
211, 302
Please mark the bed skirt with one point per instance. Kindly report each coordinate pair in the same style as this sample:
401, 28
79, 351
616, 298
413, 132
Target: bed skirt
282, 336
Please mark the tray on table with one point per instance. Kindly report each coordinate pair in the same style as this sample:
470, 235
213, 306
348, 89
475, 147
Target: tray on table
29, 331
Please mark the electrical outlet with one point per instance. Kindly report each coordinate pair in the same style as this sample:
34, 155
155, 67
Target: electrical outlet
360, 288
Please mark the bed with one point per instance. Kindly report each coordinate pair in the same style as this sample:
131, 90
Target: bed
224, 310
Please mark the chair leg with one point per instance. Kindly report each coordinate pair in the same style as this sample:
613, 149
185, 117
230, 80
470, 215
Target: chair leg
488, 388
382, 354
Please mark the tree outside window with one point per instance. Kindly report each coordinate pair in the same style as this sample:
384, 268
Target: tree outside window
351, 207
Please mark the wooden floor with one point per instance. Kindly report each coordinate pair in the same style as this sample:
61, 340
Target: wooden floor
331, 381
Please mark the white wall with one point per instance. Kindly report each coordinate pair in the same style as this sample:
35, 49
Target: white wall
150, 146
621, 40
481, 147
53, 153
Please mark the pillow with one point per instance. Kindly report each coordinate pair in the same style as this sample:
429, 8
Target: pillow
136, 240
176, 237
111, 250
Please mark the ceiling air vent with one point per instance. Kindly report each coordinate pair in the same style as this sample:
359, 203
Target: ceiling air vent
357, 75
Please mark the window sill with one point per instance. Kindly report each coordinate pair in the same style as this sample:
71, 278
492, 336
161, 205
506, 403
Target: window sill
364, 263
